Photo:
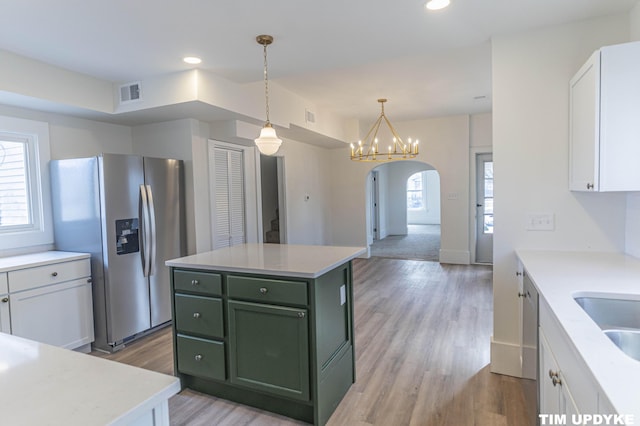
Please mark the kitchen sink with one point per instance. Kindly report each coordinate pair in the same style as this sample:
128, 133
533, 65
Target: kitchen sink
627, 340
610, 313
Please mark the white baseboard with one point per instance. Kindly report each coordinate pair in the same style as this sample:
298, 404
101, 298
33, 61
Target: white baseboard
459, 257
505, 358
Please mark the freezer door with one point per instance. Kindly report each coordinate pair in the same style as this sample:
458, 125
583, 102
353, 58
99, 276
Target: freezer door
126, 289
164, 183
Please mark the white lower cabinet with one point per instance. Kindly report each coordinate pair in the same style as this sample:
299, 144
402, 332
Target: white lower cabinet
5, 324
59, 315
556, 400
48, 298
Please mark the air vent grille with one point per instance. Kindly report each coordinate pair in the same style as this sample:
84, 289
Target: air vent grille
130, 92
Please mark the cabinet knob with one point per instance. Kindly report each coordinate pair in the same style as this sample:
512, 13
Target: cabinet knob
5, 299
264, 290
589, 186
54, 274
555, 377
196, 315
195, 282
518, 273
301, 315
522, 295
198, 357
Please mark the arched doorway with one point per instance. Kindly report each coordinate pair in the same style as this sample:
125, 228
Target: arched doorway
398, 212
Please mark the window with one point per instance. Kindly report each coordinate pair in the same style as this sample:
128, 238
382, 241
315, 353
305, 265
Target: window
488, 197
415, 194
15, 203
24, 184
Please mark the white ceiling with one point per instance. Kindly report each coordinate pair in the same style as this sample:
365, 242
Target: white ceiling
339, 54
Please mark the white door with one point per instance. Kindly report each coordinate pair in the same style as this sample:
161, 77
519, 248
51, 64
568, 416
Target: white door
229, 197
484, 208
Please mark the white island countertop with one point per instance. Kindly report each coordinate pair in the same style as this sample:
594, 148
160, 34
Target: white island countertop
289, 260
46, 385
561, 276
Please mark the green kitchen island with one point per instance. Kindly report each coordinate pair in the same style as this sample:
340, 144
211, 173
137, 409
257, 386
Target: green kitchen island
267, 325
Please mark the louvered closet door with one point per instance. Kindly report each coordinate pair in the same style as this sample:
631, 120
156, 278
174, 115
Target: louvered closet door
229, 224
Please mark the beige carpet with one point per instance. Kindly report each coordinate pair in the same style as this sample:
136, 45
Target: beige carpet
422, 243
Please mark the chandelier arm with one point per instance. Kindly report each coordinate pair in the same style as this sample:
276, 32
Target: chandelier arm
399, 140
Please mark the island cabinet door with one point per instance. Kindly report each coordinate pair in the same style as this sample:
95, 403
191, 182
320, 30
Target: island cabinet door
269, 348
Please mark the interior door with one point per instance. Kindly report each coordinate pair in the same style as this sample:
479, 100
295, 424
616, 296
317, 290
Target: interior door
484, 208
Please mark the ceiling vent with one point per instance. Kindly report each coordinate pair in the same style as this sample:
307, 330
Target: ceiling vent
309, 116
130, 93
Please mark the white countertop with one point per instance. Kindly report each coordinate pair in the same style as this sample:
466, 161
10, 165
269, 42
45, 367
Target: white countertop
561, 276
38, 259
45, 385
272, 259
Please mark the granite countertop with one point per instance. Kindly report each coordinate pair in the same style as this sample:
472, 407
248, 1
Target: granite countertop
561, 276
38, 259
289, 260
46, 385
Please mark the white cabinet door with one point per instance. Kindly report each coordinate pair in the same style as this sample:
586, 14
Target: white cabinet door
5, 325
604, 126
60, 314
555, 397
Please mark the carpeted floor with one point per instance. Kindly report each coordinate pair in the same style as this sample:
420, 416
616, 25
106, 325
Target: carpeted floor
422, 243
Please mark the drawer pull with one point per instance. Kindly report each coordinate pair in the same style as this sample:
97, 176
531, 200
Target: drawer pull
198, 357
196, 315
555, 377
5, 299
195, 282
54, 274
300, 314
264, 290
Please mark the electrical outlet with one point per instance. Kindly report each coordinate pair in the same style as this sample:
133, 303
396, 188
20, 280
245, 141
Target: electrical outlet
540, 222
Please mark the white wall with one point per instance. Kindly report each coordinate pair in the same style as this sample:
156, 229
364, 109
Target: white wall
531, 72
306, 174
444, 144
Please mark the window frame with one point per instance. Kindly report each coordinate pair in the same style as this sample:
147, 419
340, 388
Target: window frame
422, 190
40, 231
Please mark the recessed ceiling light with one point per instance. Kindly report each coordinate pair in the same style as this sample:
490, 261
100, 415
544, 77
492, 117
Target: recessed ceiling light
437, 4
193, 60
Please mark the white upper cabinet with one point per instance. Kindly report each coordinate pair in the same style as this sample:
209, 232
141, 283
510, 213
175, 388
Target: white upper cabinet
604, 124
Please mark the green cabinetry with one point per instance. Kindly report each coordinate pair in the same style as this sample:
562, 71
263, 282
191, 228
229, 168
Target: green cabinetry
283, 344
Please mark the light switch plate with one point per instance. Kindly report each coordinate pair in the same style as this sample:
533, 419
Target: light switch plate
540, 222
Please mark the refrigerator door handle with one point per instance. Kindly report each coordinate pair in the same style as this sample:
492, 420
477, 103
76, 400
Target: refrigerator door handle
146, 238
152, 231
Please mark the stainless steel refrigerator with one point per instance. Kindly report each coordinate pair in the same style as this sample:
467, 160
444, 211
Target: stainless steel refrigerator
128, 212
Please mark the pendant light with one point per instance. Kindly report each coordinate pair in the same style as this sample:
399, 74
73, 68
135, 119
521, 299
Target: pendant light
268, 142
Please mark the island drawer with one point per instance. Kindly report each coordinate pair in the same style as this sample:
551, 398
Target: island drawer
200, 357
28, 278
199, 315
267, 290
197, 282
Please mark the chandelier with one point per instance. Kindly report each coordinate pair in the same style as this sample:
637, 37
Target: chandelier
397, 149
268, 142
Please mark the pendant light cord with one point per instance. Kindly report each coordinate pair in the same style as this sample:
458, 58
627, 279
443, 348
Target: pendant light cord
266, 83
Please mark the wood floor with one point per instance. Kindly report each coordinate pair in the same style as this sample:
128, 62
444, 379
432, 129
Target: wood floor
422, 355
